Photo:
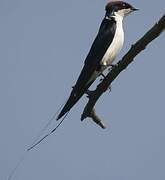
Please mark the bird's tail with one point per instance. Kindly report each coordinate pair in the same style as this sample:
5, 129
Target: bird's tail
72, 100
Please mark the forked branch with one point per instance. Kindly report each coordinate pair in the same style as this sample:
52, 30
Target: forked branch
136, 48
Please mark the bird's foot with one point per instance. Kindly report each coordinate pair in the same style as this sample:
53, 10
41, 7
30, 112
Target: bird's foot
109, 88
89, 93
103, 76
112, 66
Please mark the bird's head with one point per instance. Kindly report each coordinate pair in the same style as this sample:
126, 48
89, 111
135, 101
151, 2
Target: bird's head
119, 7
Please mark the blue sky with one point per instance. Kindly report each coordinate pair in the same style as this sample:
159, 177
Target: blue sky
43, 46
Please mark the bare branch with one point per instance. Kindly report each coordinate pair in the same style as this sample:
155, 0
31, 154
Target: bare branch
139, 46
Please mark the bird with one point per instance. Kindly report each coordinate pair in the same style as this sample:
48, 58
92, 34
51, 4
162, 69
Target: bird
106, 46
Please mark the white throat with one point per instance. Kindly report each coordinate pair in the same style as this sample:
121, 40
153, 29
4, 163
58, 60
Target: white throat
123, 12
119, 15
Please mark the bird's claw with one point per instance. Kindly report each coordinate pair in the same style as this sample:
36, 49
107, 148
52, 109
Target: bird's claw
89, 93
109, 88
112, 66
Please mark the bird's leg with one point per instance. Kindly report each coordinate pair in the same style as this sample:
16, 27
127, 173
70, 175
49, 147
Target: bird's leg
102, 76
109, 88
112, 66
89, 93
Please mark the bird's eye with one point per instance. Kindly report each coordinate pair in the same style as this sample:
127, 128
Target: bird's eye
124, 4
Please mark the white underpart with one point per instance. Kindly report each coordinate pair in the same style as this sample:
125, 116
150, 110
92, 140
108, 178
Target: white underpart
117, 42
116, 45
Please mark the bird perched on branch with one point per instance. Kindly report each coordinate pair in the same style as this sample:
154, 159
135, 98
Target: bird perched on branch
105, 47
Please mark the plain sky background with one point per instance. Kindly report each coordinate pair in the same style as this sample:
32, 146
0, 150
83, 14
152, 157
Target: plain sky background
43, 45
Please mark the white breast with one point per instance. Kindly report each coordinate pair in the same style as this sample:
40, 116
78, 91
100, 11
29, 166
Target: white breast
116, 44
113, 49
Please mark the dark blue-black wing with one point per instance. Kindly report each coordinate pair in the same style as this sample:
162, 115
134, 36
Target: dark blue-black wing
92, 62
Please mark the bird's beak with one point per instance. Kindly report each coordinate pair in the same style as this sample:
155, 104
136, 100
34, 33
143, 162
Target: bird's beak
134, 9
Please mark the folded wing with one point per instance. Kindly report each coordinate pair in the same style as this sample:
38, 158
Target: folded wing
92, 65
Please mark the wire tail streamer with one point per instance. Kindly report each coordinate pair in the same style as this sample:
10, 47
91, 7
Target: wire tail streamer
17, 165
46, 126
37, 141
